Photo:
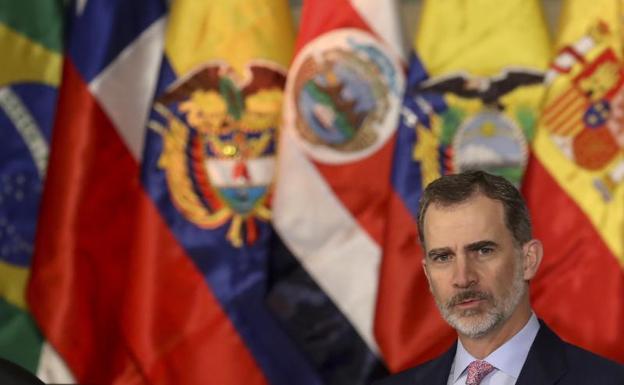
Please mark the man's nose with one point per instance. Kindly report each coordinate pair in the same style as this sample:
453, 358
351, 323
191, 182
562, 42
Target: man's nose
464, 274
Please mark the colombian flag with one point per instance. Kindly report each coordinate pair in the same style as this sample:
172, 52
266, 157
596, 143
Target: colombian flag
208, 167
575, 181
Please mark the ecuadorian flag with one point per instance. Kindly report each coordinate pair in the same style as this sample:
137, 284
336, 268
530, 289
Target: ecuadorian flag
472, 99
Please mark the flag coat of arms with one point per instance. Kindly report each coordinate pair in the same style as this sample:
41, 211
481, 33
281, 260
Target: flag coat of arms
208, 167
341, 109
111, 288
575, 181
155, 261
472, 99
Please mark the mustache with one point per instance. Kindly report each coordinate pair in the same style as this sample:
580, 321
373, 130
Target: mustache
469, 295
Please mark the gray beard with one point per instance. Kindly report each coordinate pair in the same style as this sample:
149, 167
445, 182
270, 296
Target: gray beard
474, 323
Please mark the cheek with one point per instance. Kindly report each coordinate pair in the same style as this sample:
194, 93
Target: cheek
504, 278
438, 284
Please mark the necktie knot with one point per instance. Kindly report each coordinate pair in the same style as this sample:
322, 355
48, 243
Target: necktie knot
477, 370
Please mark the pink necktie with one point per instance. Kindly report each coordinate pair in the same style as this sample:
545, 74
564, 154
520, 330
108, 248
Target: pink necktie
476, 371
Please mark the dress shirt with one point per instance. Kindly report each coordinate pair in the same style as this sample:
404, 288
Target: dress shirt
507, 360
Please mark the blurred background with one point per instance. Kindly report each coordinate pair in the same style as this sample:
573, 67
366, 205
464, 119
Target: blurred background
226, 192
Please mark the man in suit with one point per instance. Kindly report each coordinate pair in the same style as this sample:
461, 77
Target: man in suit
479, 258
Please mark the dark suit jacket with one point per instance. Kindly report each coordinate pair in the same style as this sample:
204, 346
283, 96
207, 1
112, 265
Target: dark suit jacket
550, 361
12, 374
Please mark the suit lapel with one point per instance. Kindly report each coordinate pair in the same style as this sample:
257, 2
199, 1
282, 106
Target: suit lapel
439, 370
546, 361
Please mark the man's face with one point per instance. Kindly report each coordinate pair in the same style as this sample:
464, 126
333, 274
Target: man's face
474, 268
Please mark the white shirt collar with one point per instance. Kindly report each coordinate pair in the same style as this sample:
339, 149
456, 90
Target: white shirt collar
508, 358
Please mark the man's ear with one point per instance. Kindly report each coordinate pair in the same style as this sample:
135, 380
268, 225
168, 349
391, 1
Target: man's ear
533, 251
424, 267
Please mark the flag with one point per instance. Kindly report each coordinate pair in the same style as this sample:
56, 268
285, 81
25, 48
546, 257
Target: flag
208, 168
81, 272
341, 109
472, 98
575, 181
29, 76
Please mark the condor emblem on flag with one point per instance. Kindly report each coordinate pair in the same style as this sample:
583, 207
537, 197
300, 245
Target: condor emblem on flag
480, 128
219, 144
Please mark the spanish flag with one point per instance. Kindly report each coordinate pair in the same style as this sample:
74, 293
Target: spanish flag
471, 101
575, 181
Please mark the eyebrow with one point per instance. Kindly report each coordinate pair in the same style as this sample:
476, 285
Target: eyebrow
475, 246
439, 251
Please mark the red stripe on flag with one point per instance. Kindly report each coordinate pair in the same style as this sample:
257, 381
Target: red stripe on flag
75, 309
319, 17
570, 111
363, 187
121, 306
408, 326
563, 101
571, 129
174, 324
579, 288
558, 117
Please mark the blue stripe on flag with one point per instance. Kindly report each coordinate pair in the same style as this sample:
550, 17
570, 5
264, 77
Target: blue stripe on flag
112, 25
416, 110
289, 336
237, 276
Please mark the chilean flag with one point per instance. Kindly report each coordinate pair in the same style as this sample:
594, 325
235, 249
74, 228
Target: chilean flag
112, 288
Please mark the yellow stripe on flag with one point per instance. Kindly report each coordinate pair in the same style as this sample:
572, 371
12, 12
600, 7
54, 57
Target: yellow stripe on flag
236, 31
13, 284
565, 114
22, 58
580, 185
230, 59
589, 164
481, 36
579, 16
487, 58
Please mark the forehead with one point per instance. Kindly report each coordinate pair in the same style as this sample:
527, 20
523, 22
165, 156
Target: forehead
475, 219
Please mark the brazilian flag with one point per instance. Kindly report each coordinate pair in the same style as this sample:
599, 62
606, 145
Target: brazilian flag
31, 33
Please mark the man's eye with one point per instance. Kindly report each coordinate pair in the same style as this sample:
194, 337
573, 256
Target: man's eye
441, 258
486, 250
